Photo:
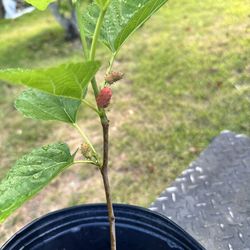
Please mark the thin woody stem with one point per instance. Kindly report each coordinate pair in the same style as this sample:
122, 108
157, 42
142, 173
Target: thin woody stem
105, 125
104, 172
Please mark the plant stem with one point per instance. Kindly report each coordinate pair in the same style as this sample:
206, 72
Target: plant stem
104, 172
96, 35
81, 30
94, 45
95, 87
105, 126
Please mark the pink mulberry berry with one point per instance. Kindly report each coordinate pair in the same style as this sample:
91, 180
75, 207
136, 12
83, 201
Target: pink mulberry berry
104, 97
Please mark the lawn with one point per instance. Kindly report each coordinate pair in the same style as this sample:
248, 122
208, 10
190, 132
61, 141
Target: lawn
187, 78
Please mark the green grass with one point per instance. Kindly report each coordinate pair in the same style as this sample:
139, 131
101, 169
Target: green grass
187, 78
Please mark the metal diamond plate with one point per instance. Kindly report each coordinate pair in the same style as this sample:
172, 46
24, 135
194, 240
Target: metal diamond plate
211, 199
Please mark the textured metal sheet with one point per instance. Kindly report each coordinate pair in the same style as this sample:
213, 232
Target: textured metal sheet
211, 199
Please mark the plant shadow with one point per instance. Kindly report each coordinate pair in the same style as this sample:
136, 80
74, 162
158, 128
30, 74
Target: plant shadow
40, 49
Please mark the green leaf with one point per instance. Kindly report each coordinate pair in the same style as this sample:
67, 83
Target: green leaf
68, 80
42, 106
30, 174
40, 4
123, 17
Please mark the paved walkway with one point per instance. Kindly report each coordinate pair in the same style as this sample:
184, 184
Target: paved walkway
211, 199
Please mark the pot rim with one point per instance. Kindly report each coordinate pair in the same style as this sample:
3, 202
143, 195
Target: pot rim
130, 215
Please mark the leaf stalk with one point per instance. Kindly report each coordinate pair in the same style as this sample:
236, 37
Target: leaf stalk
77, 162
90, 105
84, 137
111, 63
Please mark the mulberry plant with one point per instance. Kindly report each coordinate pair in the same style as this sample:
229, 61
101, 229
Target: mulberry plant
57, 93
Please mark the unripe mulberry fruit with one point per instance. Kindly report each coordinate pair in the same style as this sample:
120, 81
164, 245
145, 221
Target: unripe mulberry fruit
113, 77
104, 97
86, 150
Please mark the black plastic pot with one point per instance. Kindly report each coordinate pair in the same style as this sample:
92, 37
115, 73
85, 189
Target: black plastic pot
86, 228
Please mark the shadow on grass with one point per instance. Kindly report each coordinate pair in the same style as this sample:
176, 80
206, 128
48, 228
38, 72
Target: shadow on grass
48, 45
